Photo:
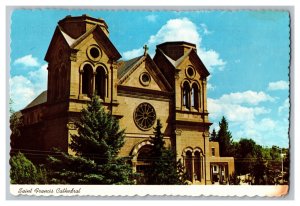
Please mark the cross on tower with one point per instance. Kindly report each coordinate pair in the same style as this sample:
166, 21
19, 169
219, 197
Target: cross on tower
145, 49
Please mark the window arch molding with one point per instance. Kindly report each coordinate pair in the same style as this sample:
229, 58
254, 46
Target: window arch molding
101, 81
186, 94
191, 92
84, 64
94, 66
137, 148
184, 82
187, 149
198, 149
195, 95
192, 150
193, 160
95, 80
101, 65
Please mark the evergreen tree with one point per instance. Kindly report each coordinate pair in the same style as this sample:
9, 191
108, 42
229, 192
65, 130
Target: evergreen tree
164, 169
225, 139
96, 148
213, 136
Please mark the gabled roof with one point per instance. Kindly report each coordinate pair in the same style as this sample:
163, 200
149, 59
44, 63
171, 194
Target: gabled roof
58, 32
178, 61
125, 66
68, 39
42, 98
128, 67
191, 52
108, 46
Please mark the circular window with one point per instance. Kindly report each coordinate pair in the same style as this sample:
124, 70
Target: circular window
144, 116
190, 72
94, 53
145, 79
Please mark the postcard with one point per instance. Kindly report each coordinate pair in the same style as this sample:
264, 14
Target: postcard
158, 102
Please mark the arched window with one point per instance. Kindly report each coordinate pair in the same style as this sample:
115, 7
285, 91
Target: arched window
100, 82
189, 165
197, 166
195, 96
186, 95
87, 80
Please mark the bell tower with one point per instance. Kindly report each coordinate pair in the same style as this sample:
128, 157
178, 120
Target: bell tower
81, 61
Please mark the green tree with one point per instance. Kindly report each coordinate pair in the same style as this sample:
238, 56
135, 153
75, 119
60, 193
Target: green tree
225, 139
96, 148
15, 125
275, 153
245, 156
213, 136
259, 167
164, 169
22, 170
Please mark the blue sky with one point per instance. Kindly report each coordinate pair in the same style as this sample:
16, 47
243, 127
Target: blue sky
246, 52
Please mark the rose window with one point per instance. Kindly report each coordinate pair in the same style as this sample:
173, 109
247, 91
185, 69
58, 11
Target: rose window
144, 116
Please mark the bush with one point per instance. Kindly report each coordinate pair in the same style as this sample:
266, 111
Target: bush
22, 170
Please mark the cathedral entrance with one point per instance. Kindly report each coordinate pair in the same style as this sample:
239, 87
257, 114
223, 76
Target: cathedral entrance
143, 164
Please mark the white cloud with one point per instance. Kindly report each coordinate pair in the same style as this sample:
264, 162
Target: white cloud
265, 131
23, 89
233, 111
250, 120
181, 29
210, 87
176, 30
285, 107
205, 29
151, 18
248, 97
132, 53
211, 59
279, 85
27, 61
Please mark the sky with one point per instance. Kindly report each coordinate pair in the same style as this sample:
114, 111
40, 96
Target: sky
246, 53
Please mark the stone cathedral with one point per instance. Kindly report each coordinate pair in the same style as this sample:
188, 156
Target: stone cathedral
171, 86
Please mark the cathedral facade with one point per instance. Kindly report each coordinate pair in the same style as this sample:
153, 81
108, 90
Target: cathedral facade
171, 87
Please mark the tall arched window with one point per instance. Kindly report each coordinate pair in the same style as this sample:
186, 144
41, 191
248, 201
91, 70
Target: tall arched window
87, 80
189, 165
195, 96
100, 82
197, 166
186, 95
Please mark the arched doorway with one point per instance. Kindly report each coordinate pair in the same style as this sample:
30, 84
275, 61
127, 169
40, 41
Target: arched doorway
143, 164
